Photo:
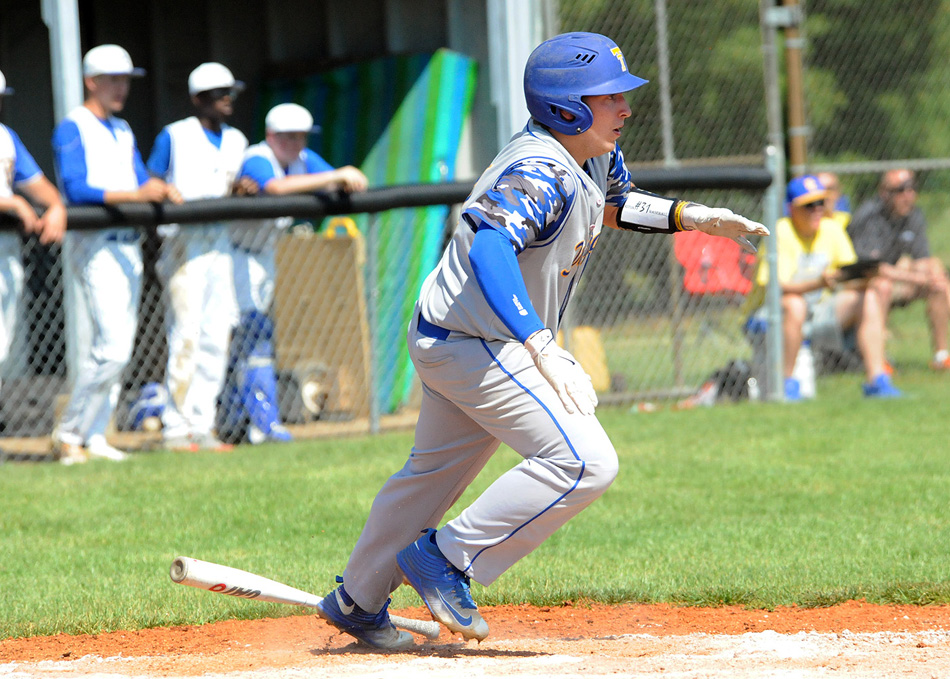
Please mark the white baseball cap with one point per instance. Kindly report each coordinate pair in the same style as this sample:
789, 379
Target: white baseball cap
109, 60
289, 118
212, 76
3, 86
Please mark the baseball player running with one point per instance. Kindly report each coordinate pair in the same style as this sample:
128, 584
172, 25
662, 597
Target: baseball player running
199, 155
18, 170
482, 341
98, 162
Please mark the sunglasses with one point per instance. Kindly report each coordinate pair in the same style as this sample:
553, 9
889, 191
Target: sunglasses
220, 93
816, 205
901, 188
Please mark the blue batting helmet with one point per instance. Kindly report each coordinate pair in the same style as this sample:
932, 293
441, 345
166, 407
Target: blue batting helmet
567, 67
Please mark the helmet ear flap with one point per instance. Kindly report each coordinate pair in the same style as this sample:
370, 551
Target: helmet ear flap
572, 116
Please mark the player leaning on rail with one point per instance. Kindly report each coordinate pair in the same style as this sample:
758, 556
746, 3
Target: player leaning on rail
482, 341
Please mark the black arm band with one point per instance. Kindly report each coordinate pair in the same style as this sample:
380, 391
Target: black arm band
649, 213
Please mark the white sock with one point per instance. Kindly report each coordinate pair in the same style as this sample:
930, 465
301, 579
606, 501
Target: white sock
941, 356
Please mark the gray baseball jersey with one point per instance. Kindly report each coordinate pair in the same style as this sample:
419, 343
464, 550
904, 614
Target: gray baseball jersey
550, 208
481, 388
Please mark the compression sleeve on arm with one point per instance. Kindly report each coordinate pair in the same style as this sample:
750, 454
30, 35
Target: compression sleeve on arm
649, 213
496, 271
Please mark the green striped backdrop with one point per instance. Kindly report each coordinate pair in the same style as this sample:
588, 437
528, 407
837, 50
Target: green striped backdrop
399, 119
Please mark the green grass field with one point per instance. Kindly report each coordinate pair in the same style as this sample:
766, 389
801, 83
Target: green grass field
756, 504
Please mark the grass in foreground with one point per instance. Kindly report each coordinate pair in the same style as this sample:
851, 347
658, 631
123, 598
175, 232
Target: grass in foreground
755, 504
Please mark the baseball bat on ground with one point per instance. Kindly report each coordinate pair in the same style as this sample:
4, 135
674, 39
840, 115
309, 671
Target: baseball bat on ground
235, 582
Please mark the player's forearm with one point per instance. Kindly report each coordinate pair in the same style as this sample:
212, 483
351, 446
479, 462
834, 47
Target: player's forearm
9, 205
649, 213
116, 197
43, 192
302, 183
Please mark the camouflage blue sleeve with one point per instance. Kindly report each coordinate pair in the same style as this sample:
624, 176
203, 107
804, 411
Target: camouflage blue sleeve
619, 181
528, 202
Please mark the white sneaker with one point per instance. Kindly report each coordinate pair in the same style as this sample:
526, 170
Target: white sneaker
98, 447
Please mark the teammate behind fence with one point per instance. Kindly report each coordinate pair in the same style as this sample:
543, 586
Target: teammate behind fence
201, 156
19, 171
281, 164
98, 162
482, 341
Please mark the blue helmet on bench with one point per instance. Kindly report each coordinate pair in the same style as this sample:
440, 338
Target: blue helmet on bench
567, 67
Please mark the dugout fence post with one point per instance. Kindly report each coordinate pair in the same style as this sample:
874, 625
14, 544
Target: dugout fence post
775, 160
772, 18
372, 304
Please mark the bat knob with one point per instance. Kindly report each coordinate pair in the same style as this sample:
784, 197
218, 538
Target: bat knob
179, 569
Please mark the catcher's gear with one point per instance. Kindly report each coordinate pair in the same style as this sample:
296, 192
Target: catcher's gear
567, 67
720, 221
562, 370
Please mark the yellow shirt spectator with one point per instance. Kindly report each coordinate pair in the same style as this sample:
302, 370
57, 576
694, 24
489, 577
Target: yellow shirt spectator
803, 259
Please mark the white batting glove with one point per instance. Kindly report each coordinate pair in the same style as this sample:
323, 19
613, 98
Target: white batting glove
720, 221
562, 370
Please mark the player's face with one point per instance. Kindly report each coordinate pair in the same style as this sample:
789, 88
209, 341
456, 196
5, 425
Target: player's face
215, 104
110, 90
610, 111
287, 145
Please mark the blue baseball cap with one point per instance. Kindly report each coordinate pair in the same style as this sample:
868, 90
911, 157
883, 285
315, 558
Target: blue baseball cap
804, 190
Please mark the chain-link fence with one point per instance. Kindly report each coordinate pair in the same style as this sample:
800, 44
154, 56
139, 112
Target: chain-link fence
668, 313
875, 102
655, 318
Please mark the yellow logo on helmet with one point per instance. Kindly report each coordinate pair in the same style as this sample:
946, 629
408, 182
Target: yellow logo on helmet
617, 53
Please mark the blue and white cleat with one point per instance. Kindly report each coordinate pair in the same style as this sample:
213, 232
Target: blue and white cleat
373, 629
442, 586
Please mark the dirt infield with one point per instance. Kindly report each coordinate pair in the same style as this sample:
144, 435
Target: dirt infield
851, 640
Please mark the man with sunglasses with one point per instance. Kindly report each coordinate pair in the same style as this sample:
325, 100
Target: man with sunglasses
201, 156
818, 304
892, 228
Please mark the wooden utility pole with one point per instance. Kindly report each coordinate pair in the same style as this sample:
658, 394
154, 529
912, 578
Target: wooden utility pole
797, 131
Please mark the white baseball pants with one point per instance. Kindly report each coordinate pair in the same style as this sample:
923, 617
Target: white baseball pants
477, 394
104, 278
11, 288
196, 267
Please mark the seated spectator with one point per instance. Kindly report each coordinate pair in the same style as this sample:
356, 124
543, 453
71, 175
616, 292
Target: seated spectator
817, 303
892, 228
837, 205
